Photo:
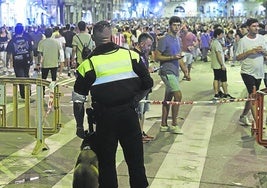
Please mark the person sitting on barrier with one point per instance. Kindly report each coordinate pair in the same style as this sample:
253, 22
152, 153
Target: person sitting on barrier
115, 77
21, 50
250, 52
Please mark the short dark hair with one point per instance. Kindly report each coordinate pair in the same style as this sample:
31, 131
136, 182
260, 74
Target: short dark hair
19, 28
81, 25
67, 26
244, 25
56, 28
251, 21
174, 19
144, 36
217, 32
231, 31
99, 26
102, 32
216, 26
48, 32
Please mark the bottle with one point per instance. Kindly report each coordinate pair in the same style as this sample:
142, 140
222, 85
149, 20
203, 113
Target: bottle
35, 74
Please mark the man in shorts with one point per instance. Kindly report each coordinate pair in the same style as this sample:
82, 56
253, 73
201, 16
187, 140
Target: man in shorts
250, 52
169, 54
189, 44
68, 35
218, 66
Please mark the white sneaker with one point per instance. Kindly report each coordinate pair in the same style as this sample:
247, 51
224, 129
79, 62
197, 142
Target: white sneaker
243, 120
164, 128
175, 129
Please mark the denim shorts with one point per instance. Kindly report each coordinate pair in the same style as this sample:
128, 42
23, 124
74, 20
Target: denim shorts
188, 58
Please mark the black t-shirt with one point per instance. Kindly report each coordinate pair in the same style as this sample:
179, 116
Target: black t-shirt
3, 41
20, 48
68, 35
36, 38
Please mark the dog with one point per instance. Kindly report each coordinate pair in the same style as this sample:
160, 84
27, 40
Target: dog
86, 169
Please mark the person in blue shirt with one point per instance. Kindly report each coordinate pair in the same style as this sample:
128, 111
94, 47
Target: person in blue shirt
169, 54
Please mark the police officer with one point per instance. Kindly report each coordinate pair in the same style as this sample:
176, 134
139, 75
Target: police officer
117, 81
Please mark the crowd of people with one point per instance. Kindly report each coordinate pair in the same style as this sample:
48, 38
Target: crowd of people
196, 38
118, 65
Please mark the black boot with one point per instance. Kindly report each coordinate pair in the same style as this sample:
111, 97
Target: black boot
80, 132
78, 110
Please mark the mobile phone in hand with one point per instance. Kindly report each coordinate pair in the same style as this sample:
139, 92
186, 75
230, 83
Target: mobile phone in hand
156, 69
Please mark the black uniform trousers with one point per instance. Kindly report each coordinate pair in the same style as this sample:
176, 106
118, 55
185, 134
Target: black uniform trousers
113, 125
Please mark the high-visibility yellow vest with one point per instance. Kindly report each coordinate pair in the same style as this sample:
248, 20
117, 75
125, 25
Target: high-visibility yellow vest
111, 66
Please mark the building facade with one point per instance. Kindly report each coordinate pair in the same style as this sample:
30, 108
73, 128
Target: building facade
54, 12
61, 12
206, 9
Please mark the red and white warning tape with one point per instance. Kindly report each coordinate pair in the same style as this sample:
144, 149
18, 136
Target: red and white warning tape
50, 102
197, 102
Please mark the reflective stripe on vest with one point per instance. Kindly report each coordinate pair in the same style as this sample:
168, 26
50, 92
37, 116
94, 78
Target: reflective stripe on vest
115, 77
111, 66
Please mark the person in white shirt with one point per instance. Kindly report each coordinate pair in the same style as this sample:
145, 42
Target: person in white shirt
250, 52
61, 40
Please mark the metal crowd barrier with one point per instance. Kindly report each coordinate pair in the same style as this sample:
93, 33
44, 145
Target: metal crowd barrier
258, 128
17, 115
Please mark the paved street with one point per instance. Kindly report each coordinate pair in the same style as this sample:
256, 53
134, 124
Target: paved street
214, 151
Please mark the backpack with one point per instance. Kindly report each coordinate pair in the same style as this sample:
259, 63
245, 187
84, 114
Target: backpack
86, 51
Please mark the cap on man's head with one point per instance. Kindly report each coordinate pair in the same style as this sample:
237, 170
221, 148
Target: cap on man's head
19, 28
251, 21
